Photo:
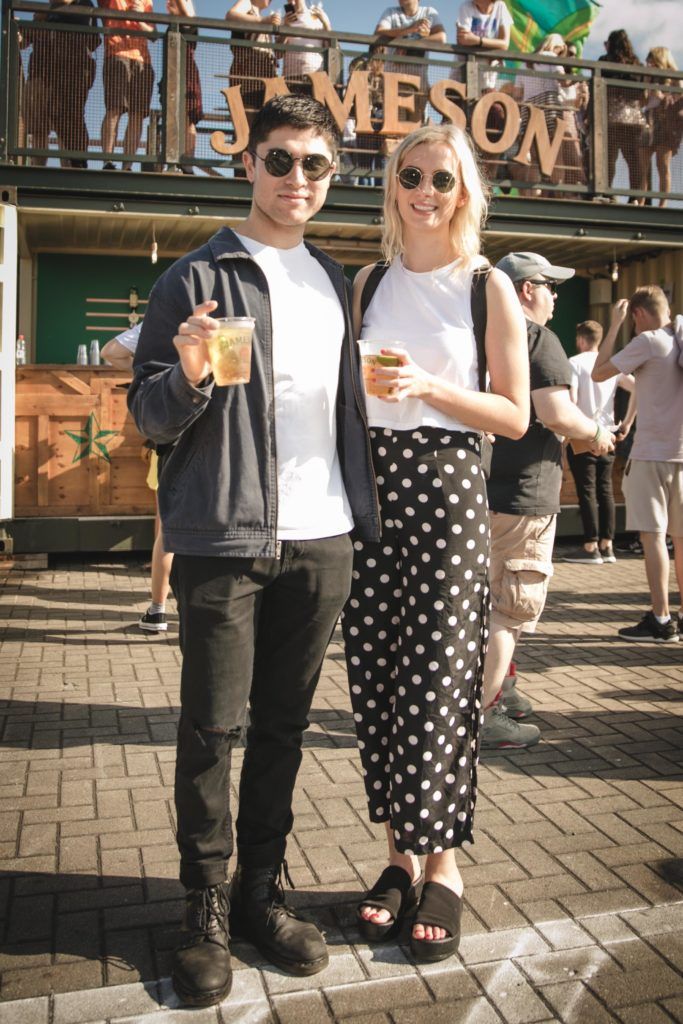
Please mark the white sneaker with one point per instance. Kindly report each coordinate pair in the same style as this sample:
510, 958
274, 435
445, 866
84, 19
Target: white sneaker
500, 732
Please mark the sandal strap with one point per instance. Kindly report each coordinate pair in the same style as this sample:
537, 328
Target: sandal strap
389, 891
439, 907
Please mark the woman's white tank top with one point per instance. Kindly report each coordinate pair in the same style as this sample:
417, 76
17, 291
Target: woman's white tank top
431, 314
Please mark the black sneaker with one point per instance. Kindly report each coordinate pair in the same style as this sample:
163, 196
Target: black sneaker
649, 630
585, 557
630, 547
680, 625
108, 166
202, 973
259, 913
153, 622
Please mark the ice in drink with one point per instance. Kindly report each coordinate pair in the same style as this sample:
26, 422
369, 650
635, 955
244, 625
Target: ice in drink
230, 350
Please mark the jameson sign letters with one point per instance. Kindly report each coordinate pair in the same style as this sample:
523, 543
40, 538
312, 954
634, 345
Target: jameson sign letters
400, 91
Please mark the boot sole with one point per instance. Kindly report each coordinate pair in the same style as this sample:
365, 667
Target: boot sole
203, 998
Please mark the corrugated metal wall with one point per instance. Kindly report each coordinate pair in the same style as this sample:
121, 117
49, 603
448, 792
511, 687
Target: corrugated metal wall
666, 270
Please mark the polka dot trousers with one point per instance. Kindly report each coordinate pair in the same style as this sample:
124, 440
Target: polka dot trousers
415, 629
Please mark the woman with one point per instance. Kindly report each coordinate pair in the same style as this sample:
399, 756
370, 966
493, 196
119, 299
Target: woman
252, 63
626, 121
415, 622
303, 55
665, 110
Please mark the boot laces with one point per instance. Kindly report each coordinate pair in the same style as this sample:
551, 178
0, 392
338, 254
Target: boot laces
213, 910
278, 904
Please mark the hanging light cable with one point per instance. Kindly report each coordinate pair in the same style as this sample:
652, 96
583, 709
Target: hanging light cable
155, 248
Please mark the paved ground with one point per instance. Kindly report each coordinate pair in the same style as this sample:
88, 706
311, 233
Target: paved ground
574, 885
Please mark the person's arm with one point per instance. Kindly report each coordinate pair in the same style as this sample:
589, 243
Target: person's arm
321, 15
505, 409
142, 7
627, 422
466, 37
385, 30
117, 355
557, 412
186, 8
604, 367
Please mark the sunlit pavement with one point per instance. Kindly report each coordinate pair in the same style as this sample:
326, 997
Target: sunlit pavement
574, 903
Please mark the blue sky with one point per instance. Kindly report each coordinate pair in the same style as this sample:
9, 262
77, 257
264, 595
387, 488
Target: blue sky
648, 22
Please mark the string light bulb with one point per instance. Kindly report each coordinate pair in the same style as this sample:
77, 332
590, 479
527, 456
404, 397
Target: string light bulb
614, 271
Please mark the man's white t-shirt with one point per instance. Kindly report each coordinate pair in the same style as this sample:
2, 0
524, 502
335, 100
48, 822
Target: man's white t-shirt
308, 333
654, 358
594, 398
394, 17
130, 337
487, 25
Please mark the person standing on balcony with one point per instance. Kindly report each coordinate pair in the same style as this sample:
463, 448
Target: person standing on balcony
418, 24
252, 63
303, 55
626, 122
665, 109
128, 78
61, 72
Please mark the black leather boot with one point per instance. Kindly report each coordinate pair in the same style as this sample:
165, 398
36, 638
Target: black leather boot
259, 913
202, 974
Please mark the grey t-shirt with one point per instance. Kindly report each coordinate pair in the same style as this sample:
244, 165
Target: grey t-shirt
653, 357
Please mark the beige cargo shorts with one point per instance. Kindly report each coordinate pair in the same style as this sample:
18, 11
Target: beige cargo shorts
520, 569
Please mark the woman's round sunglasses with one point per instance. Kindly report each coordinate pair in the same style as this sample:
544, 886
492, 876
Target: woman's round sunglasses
279, 162
412, 177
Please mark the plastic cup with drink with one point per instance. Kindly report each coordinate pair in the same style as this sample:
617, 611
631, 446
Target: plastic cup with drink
372, 359
229, 350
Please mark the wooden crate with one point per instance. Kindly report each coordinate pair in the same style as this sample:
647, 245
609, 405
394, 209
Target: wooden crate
77, 451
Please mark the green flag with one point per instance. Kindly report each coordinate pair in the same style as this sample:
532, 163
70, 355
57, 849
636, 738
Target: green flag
535, 19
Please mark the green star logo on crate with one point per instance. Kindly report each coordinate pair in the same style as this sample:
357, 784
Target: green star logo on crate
91, 440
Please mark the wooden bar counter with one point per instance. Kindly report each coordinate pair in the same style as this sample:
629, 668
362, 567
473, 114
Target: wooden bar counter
77, 451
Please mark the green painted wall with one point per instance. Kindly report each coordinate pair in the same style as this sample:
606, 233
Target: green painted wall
65, 283
571, 308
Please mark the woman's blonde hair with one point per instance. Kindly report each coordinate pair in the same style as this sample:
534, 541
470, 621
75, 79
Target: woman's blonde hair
554, 39
661, 57
468, 220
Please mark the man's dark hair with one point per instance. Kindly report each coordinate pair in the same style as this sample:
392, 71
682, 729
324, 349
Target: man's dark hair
299, 112
590, 330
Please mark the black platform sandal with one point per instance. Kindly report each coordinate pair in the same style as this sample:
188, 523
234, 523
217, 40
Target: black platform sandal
439, 907
395, 892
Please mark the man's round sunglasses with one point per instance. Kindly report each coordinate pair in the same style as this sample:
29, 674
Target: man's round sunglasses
279, 162
412, 177
550, 285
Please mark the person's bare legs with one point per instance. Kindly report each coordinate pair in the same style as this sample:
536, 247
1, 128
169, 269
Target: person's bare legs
110, 125
499, 653
407, 861
657, 570
161, 567
678, 566
663, 160
131, 140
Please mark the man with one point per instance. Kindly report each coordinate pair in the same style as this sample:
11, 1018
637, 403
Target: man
119, 352
257, 495
128, 78
524, 498
653, 479
593, 473
419, 24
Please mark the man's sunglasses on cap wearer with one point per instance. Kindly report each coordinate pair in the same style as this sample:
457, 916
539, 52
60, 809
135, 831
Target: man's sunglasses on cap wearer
550, 285
412, 177
279, 162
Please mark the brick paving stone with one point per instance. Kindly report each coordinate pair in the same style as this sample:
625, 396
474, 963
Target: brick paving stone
25, 1011
81, 1007
510, 993
561, 965
565, 934
575, 1004
637, 986
492, 908
502, 945
645, 1013
301, 1008
473, 1011
381, 994
196, 1016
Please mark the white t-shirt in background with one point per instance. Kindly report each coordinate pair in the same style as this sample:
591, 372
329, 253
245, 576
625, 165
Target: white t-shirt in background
487, 25
308, 333
394, 17
299, 62
594, 398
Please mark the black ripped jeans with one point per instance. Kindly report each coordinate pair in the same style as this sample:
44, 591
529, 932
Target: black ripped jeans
251, 631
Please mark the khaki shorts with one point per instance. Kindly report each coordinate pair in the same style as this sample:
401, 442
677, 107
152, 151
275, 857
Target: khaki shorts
654, 496
520, 569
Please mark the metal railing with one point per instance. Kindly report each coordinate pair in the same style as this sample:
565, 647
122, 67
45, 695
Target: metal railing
84, 87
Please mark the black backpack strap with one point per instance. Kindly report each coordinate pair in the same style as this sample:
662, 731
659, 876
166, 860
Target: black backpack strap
372, 284
479, 316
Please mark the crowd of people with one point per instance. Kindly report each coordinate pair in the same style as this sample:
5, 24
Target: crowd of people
416, 495
645, 115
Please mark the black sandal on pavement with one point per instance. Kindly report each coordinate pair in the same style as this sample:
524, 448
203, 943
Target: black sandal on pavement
395, 892
439, 907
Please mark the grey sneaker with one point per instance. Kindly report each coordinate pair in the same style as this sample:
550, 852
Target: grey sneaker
501, 732
515, 704
607, 554
583, 556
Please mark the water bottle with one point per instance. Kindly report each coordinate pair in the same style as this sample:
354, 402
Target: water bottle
95, 352
82, 356
20, 351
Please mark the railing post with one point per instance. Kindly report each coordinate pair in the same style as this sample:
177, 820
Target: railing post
334, 62
7, 50
174, 118
472, 77
599, 133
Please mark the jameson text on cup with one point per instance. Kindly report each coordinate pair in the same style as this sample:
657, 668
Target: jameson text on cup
371, 359
230, 350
